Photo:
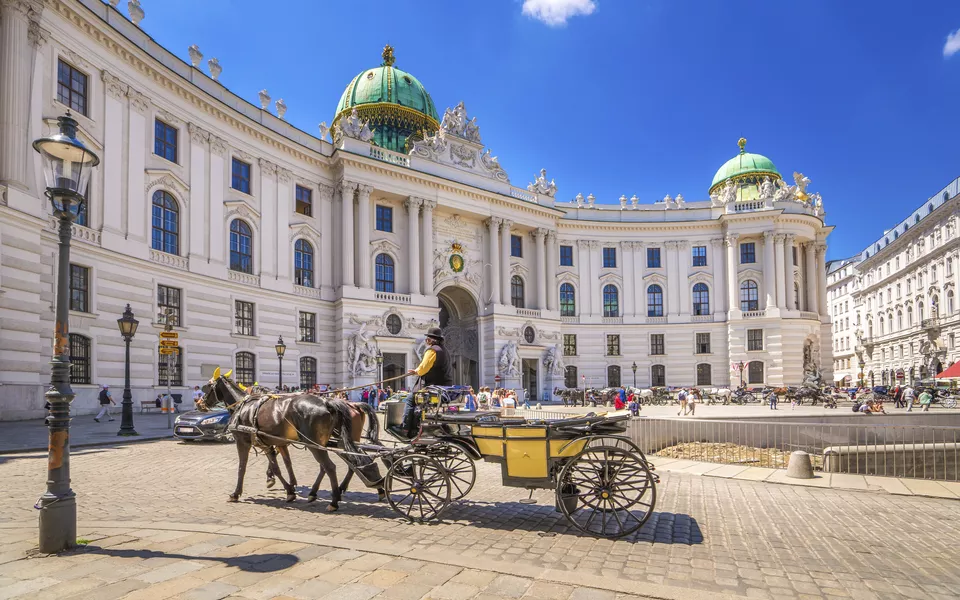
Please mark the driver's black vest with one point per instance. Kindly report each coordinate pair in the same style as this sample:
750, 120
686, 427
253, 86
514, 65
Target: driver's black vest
441, 373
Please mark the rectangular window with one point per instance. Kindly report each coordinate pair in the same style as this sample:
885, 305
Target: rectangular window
165, 140
79, 288
754, 339
385, 218
703, 343
169, 297
516, 246
241, 176
656, 344
175, 368
71, 88
308, 327
304, 204
699, 256
79, 359
569, 344
566, 256
244, 318
609, 258
653, 258
748, 253
613, 345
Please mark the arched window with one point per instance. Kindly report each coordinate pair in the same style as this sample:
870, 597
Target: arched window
909, 316
658, 376
749, 296
303, 263
701, 299
611, 301
613, 376
570, 377
930, 207
881, 328
516, 291
385, 273
246, 369
919, 311
755, 372
166, 223
308, 372
704, 374
568, 300
79, 359
654, 301
946, 196
899, 320
916, 219
950, 302
241, 247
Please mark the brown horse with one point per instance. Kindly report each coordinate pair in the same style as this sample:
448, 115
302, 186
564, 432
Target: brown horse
280, 420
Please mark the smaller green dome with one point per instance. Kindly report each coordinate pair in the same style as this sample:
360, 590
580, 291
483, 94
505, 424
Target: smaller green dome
745, 163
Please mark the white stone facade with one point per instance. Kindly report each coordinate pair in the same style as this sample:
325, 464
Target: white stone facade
454, 212
842, 282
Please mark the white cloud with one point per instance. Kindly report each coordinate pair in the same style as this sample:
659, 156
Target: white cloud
556, 12
949, 49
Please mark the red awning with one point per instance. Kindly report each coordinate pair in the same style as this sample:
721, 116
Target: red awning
952, 373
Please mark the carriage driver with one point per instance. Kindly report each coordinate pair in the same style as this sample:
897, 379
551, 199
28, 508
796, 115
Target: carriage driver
435, 369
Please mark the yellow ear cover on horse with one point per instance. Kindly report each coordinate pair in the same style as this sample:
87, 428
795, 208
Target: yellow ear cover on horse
240, 385
216, 374
228, 373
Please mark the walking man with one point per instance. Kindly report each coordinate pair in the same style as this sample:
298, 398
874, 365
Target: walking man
682, 398
908, 398
106, 400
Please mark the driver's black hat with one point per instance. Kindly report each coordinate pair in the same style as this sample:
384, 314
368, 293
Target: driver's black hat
435, 333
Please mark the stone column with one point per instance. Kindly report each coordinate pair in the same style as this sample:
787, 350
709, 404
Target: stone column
136, 161
586, 281
540, 240
347, 189
505, 261
284, 248
267, 244
821, 275
810, 276
363, 235
413, 246
719, 297
779, 272
427, 247
673, 279
112, 166
553, 260
788, 271
217, 247
731, 242
769, 271
198, 185
16, 54
326, 236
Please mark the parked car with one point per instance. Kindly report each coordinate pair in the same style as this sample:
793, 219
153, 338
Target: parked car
881, 390
197, 425
395, 397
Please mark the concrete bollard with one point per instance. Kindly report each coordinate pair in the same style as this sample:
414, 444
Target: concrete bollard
800, 466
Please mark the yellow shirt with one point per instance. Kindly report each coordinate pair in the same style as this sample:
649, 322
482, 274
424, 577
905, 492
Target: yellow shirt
429, 357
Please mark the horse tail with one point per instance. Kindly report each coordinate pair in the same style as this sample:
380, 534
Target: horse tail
365, 466
373, 428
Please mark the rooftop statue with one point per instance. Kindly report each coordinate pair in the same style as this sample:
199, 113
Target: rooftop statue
802, 183
471, 131
784, 192
579, 200
540, 185
455, 121
354, 127
767, 189
728, 195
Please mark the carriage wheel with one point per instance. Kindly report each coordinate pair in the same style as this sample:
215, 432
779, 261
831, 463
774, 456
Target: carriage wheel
459, 468
950, 403
606, 491
417, 487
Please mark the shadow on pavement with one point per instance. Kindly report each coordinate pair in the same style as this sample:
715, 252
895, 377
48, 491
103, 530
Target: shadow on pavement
261, 563
4, 458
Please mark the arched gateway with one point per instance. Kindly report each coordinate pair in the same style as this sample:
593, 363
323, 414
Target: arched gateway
458, 320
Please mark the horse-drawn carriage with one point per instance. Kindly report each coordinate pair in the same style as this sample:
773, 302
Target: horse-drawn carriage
602, 482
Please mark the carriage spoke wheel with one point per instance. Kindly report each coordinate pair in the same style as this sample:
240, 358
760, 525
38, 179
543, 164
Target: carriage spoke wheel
417, 487
459, 467
606, 491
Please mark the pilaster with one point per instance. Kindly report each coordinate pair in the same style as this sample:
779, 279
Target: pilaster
198, 201
427, 248
412, 205
136, 163
216, 246
505, 226
364, 266
326, 239
493, 257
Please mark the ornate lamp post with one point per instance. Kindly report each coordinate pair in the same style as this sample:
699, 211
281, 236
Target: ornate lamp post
281, 348
741, 367
379, 373
634, 369
66, 169
128, 328
862, 366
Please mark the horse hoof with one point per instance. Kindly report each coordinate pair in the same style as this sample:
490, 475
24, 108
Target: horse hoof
332, 507
381, 496
311, 498
232, 498
291, 497
271, 482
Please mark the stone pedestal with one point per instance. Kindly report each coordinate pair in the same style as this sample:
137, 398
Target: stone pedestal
800, 466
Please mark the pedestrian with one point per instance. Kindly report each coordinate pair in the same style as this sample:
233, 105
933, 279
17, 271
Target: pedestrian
925, 399
682, 398
692, 402
634, 405
471, 401
618, 403
773, 399
908, 396
106, 400
897, 396
526, 398
197, 396
623, 397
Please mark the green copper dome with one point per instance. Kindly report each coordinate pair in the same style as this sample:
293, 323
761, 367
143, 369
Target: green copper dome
395, 102
743, 166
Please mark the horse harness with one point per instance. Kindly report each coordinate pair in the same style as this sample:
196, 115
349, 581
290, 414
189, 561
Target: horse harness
250, 429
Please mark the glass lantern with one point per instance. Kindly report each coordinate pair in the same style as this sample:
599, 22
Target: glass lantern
67, 164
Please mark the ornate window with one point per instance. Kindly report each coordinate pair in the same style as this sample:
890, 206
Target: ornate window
699, 256
749, 296
304, 204
79, 359
613, 376
566, 256
658, 376
704, 376
609, 258
748, 253
701, 299
516, 291
385, 273
308, 327
899, 320
241, 247
653, 258
394, 324
165, 140
384, 218
303, 263
568, 300
755, 372
308, 372
570, 377
166, 223
654, 301
516, 246
611, 301
246, 370
71, 87
950, 306
569, 344
909, 316
175, 368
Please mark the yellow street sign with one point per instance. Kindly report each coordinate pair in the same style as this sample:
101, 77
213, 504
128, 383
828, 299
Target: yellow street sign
168, 350
171, 335
169, 343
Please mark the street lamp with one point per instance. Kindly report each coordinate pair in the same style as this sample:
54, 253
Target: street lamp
741, 366
379, 373
280, 347
128, 328
634, 368
862, 365
66, 170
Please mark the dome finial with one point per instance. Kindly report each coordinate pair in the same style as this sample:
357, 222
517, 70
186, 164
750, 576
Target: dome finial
742, 142
388, 58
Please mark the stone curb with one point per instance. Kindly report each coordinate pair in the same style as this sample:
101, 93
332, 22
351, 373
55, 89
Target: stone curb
120, 441
642, 589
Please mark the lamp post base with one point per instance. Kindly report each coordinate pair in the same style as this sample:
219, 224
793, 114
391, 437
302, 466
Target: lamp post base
58, 522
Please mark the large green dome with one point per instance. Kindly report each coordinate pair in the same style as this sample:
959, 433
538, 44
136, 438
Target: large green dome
395, 102
745, 166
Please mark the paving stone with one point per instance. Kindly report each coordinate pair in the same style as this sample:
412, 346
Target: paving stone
214, 590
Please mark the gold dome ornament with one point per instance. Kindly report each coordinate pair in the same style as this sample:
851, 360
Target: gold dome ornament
388, 57
742, 142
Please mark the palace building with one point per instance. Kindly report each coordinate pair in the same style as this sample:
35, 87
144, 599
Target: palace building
351, 242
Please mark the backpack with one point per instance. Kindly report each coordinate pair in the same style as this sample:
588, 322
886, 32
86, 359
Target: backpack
103, 397
856, 407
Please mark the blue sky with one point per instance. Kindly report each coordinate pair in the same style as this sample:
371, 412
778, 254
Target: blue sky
643, 97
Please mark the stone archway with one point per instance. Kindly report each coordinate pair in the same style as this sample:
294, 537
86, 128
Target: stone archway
458, 320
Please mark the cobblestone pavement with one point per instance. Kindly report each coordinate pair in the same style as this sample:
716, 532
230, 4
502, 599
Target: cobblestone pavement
738, 537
